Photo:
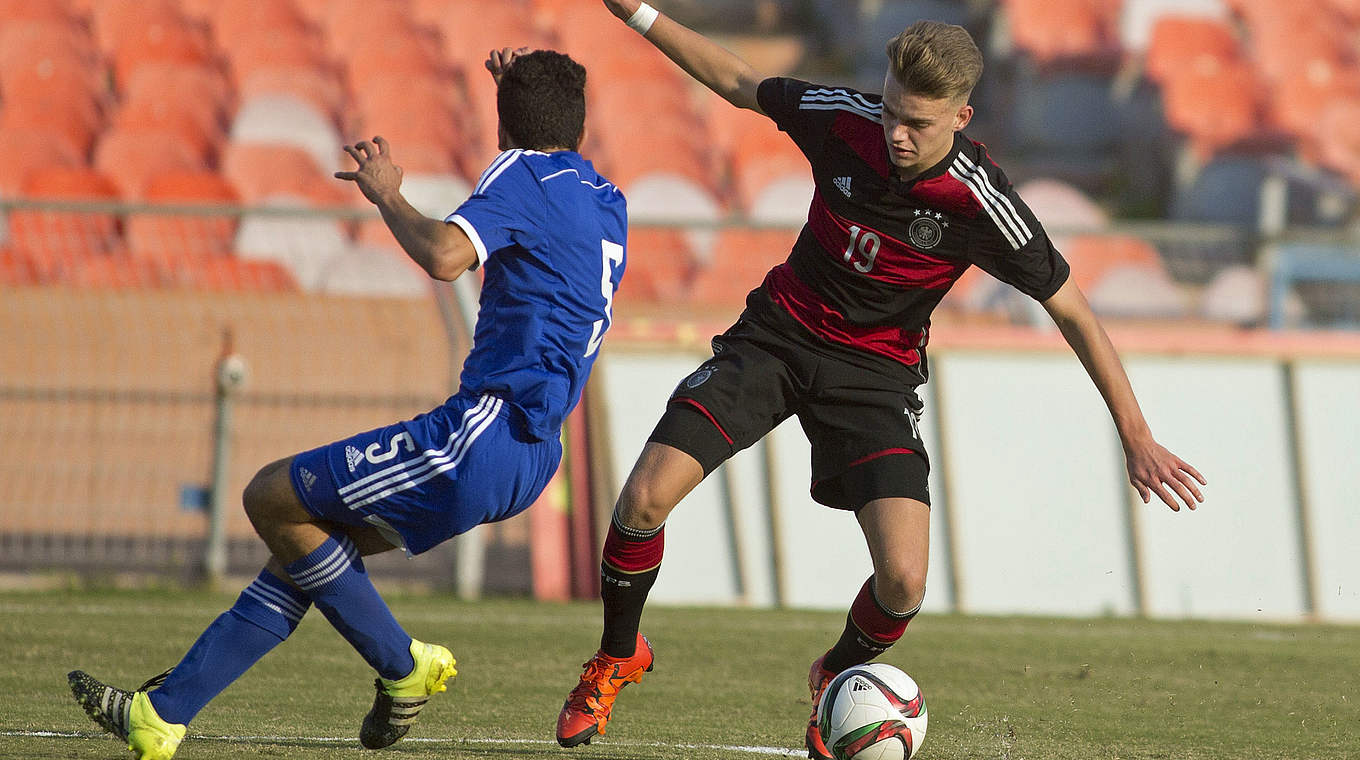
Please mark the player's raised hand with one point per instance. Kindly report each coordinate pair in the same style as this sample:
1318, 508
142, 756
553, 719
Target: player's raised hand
377, 177
498, 61
1154, 470
624, 9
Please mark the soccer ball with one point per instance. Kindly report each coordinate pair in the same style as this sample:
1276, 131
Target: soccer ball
872, 712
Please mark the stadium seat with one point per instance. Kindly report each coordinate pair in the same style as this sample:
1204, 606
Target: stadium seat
1061, 208
166, 40
469, 31
1289, 37
115, 22
22, 41
29, 149
55, 94
305, 246
771, 178
200, 89
168, 237
660, 266
1130, 293
18, 268
264, 48
1063, 32
1138, 19
1180, 43
286, 120
130, 157
1214, 105
195, 122
1236, 295
1093, 256
28, 10
1340, 143
112, 272
234, 21
260, 171
1297, 102
320, 88
738, 264
59, 238
228, 273
675, 199
375, 272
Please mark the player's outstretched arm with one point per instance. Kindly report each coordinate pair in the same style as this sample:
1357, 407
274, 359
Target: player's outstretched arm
442, 250
714, 66
1152, 469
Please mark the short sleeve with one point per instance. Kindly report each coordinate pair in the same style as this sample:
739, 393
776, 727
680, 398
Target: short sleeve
788, 103
506, 208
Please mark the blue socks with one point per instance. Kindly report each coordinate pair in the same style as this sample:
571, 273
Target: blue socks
265, 613
333, 577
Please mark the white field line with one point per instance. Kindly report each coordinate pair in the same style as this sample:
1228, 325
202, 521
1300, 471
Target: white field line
775, 751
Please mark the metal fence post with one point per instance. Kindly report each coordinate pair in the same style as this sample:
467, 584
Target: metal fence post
230, 376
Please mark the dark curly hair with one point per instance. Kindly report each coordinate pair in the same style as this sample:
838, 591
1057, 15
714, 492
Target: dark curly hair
541, 101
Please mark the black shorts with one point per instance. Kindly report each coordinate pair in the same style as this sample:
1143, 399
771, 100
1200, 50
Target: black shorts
859, 414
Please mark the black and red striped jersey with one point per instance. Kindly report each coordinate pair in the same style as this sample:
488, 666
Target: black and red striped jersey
877, 253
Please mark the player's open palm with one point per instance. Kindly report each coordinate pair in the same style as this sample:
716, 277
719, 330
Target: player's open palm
624, 9
1154, 470
376, 175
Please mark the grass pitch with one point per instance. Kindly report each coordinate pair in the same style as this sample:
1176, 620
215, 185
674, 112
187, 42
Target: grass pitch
728, 683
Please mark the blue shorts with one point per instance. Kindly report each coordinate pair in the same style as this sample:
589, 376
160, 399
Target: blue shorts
424, 481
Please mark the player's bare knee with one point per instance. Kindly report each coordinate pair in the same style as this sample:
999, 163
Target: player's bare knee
640, 506
261, 497
901, 590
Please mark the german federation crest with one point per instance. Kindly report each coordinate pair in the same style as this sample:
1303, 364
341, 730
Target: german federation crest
925, 232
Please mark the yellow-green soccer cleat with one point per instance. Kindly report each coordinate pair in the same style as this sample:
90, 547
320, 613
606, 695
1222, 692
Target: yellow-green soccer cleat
399, 702
127, 715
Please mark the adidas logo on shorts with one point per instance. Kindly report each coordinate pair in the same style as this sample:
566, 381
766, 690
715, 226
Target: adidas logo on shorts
353, 457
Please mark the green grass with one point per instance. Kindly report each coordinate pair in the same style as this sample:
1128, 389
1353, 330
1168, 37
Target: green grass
1006, 688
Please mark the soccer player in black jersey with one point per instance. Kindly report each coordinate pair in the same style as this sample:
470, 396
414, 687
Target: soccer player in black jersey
836, 335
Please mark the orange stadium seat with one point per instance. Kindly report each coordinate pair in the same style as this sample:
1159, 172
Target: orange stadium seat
660, 266
132, 156
194, 122
59, 238
266, 48
234, 21
1093, 256
470, 30
1178, 43
1339, 129
1215, 105
261, 171
29, 149
759, 160
115, 22
18, 268
1298, 101
168, 40
24, 40
227, 273
60, 95
738, 264
198, 88
112, 272
1063, 31
168, 237
28, 10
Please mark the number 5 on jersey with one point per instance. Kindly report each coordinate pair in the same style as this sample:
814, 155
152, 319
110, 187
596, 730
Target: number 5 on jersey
611, 256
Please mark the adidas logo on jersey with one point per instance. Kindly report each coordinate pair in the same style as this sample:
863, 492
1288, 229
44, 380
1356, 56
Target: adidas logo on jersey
353, 457
308, 479
843, 184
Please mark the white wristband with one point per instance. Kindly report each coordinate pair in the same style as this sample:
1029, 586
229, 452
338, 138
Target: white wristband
642, 21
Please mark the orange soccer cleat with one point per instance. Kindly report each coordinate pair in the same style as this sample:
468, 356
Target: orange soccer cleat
587, 708
818, 679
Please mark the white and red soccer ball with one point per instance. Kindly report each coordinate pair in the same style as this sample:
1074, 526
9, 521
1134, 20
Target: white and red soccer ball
872, 712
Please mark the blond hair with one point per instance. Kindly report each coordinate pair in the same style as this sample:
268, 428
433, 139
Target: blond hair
935, 60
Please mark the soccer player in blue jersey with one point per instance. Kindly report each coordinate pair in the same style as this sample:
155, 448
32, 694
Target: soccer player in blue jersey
549, 233
904, 204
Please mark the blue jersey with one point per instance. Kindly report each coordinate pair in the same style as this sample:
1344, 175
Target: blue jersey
550, 234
